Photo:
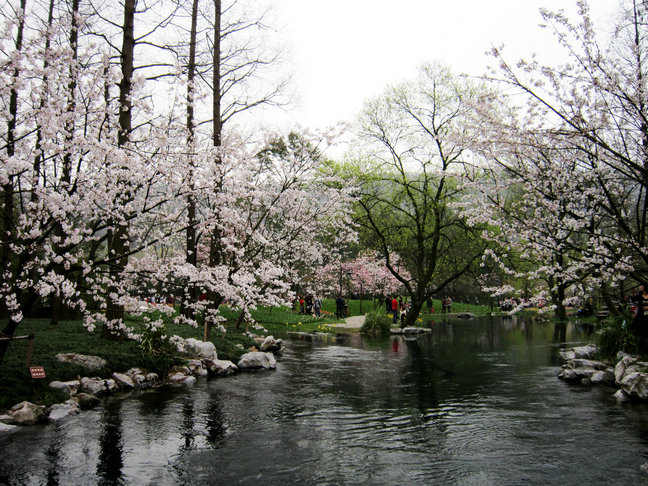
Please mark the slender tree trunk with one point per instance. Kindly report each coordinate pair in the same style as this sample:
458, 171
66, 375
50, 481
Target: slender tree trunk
216, 108
39, 135
7, 256
214, 244
119, 242
191, 294
66, 174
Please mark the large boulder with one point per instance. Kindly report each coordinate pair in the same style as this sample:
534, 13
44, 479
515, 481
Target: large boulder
196, 367
220, 367
93, 363
578, 369
86, 401
95, 386
622, 365
181, 379
67, 387
197, 349
580, 352
124, 381
632, 377
62, 410
257, 360
25, 413
605, 377
143, 379
271, 345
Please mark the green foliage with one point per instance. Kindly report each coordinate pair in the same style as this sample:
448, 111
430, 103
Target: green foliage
615, 335
156, 343
17, 385
377, 322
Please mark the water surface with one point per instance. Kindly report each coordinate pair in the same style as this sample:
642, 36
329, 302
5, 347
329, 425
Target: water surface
473, 402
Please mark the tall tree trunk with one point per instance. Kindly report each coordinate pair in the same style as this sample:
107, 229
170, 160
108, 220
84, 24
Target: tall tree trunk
216, 100
66, 173
214, 244
557, 292
7, 256
191, 294
39, 135
119, 243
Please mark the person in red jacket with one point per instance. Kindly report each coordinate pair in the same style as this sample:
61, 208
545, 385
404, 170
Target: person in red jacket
395, 310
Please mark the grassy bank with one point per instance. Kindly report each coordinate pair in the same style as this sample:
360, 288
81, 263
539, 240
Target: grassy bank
17, 385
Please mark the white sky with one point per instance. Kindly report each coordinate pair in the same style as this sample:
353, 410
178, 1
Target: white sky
345, 51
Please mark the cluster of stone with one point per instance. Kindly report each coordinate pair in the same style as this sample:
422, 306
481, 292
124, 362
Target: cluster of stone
314, 336
410, 330
84, 393
628, 375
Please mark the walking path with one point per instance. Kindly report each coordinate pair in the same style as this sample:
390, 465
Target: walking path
353, 322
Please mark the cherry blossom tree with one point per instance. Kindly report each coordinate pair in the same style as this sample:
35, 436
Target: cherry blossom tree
574, 144
95, 181
365, 274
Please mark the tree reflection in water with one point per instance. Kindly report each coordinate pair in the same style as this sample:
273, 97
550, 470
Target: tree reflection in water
110, 463
215, 420
188, 423
53, 459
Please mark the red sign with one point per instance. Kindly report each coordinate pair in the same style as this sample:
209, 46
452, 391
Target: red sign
37, 371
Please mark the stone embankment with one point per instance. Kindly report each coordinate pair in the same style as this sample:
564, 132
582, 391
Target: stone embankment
84, 393
628, 375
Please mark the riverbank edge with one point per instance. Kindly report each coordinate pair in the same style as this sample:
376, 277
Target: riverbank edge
179, 374
86, 392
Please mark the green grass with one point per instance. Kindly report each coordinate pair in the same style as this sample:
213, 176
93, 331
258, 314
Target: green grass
17, 385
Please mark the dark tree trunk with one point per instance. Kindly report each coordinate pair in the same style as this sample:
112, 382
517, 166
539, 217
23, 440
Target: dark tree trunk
191, 294
119, 242
215, 256
7, 255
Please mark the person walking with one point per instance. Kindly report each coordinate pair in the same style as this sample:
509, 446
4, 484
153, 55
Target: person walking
394, 308
339, 307
317, 305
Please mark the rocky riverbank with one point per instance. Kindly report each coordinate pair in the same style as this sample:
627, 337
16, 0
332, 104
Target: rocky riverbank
85, 392
627, 374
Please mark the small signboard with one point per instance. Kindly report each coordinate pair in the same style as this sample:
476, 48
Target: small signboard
37, 371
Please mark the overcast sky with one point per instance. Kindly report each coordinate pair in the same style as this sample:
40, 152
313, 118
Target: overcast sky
345, 51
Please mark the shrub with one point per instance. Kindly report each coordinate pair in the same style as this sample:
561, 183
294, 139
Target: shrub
616, 335
377, 322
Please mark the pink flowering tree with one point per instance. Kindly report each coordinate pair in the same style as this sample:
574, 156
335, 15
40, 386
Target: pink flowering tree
95, 180
566, 185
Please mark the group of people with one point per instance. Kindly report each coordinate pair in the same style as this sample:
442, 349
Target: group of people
397, 307
310, 305
446, 305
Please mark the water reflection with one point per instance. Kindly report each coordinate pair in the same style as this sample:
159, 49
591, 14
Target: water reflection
188, 423
216, 430
53, 462
472, 402
109, 467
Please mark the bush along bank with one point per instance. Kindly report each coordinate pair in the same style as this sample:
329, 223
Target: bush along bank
85, 392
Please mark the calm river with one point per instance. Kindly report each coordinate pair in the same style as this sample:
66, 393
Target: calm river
473, 403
